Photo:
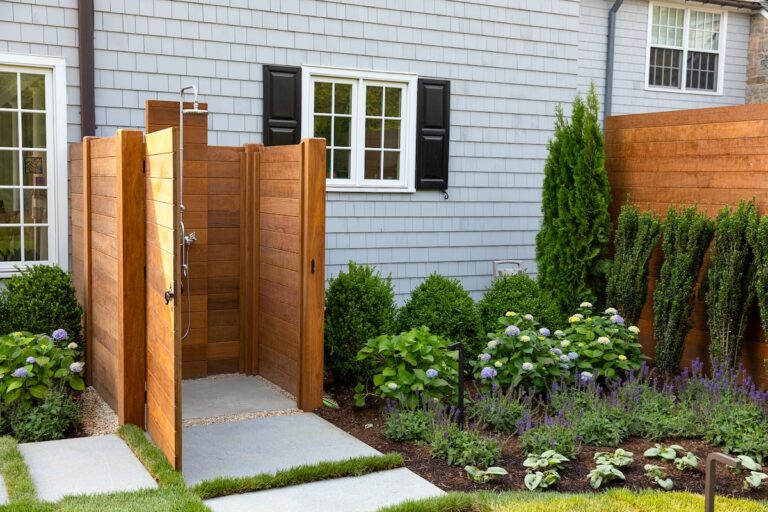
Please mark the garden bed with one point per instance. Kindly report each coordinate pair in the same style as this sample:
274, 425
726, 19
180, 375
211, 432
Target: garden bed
366, 424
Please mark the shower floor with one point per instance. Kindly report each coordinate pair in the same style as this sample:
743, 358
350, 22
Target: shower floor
232, 397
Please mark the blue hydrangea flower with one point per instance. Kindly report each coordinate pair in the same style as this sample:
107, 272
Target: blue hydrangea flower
20, 373
431, 373
617, 319
485, 357
544, 332
488, 373
31, 360
512, 330
573, 356
556, 351
60, 335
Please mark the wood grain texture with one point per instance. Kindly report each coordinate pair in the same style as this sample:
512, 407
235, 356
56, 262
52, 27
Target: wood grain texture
708, 157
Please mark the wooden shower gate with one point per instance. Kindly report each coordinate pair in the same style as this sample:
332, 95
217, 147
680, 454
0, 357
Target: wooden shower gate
256, 271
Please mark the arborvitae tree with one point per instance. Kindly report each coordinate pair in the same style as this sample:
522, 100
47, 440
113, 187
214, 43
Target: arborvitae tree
757, 235
571, 247
636, 236
730, 287
686, 237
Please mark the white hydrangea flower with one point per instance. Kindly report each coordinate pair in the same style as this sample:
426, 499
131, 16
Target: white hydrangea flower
634, 329
611, 311
585, 305
529, 317
603, 340
392, 386
559, 333
72, 346
497, 364
494, 343
528, 367
573, 319
565, 343
525, 339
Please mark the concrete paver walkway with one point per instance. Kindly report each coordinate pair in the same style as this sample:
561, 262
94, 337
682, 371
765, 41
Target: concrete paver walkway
354, 494
3, 492
230, 395
85, 465
266, 445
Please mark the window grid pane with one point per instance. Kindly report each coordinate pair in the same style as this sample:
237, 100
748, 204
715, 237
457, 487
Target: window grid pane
664, 70
702, 71
667, 26
382, 132
704, 31
333, 122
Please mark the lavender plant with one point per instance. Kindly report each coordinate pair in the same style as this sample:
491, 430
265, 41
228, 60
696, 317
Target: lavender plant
499, 410
550, 433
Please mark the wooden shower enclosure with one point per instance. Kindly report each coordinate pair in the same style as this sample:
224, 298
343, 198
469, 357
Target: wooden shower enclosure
256, 270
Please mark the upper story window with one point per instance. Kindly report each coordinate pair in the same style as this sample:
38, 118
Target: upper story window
368, 120
685, 48
32, 192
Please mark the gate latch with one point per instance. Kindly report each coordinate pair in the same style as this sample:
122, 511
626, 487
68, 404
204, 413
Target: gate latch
169, 295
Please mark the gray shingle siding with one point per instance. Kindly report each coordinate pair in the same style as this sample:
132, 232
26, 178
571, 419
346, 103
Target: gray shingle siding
509, 61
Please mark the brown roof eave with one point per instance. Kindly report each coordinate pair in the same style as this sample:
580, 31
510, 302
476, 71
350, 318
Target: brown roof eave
738, 4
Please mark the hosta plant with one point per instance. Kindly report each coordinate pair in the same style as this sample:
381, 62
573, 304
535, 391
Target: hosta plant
618, 458
540, 480
481, 476
550, 459
754, 480
664, 452
688, 462
411, 367
30, 365
659, 475
603, 474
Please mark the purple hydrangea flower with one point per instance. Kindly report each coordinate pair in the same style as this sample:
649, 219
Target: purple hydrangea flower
485, 357
617, 319
573, 356
544, 332
431, 373
487, 373
60, 335
512, 330
31, 360
20, 373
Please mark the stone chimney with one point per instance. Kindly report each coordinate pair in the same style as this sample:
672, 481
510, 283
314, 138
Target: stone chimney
757, 66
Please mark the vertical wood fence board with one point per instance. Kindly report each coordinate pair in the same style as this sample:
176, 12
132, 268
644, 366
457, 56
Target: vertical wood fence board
708, 157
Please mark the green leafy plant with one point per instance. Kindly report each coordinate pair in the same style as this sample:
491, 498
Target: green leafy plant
739, 428
636, 236
656, 414
604, 425
757, 235
553, 433
39, 300
730, 287
664, 452
443, 305
359, 305
549, 459
687, 234
30, 365
754, 480
484, 476
571, 247
688, 462
463, 447
658, 475
602, 342
49, 419
619, 458
518, 292
499, 410
603, 474
407, 425
540, 480
411, 367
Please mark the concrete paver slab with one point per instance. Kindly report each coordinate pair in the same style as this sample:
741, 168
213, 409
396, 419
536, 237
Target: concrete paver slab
3, 492
85, 465
353, 494
251, 447
228, 395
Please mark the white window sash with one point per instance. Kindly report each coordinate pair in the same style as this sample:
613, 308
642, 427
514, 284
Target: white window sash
361, 78
54, 68
723, 36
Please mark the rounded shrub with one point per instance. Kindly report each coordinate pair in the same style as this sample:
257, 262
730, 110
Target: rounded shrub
521, 294
444, 306
359, 305
40, 300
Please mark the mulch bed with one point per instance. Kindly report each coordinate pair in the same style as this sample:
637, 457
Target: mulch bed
367, 423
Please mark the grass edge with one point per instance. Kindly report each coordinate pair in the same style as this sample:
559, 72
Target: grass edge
151, 457
18, 482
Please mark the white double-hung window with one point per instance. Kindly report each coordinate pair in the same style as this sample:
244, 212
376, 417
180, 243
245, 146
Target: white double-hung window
686, 48
33, 163
368, 120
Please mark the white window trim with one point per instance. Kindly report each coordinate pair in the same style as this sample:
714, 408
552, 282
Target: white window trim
683, 76
58, 203
408, 152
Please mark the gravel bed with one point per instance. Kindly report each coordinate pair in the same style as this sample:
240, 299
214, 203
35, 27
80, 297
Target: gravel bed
96, 417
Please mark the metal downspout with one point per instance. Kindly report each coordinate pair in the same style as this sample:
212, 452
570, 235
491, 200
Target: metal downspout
609, 56
85, 53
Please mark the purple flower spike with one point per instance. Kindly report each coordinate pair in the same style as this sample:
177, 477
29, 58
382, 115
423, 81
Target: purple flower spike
20, 373
487, 373
60, 335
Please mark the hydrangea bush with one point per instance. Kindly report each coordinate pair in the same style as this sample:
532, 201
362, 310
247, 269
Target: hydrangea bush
410, 367
31, 365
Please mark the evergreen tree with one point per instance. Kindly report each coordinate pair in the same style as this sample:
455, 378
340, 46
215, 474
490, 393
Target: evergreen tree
571, 247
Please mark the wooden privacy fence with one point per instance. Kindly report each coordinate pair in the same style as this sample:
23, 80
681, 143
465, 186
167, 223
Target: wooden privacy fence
708, 157
256, 271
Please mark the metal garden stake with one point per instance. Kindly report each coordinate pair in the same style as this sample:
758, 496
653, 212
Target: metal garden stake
709, 483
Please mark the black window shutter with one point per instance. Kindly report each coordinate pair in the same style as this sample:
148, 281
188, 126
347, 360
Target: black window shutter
432, 134
282, 105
